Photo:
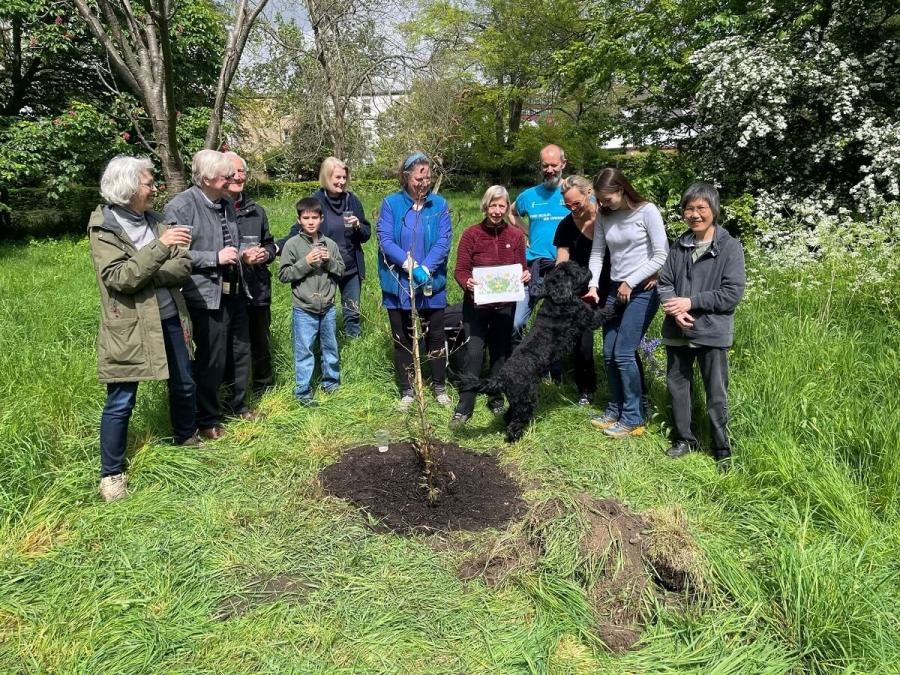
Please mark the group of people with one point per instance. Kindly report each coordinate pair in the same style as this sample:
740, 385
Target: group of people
185, 294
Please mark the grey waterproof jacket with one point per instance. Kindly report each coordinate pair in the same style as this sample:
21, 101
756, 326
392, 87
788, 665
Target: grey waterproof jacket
715, 285
191, 207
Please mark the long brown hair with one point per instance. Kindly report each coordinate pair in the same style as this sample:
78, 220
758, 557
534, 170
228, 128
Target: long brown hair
613, 180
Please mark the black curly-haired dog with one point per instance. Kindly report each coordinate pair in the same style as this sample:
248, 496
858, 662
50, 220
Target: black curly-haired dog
562, 317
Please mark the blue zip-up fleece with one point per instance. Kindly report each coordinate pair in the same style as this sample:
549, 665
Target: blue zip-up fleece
715, 285
428, 234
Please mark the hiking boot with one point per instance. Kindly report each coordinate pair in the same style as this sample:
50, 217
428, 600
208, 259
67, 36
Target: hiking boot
604, 421
113, 488
584, 400
193, 441
440, 395
680, 449
622, 430
308, 402
406, 401
458, 421
212, 434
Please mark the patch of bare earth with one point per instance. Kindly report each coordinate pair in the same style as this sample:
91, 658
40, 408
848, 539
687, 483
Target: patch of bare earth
475, 492
263, 589
623, 557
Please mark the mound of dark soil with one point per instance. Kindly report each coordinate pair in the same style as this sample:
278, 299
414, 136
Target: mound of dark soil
475, 492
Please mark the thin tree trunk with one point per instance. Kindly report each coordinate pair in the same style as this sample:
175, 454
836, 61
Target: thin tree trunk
237, 40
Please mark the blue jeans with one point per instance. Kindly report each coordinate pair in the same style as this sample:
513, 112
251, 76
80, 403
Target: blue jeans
350, 292
621, 336
121, 397
307, 327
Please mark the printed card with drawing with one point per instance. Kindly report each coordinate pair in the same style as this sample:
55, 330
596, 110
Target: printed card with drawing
502, 283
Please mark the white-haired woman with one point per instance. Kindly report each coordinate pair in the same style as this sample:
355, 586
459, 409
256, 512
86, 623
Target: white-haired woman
414, 224
488, 243
145, 330
216, 294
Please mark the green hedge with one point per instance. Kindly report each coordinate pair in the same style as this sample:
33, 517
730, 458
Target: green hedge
31, 213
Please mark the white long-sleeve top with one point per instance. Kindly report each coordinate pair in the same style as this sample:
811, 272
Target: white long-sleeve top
637, 244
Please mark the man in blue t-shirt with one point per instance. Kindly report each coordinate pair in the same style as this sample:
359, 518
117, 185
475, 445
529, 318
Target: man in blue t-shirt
543, 206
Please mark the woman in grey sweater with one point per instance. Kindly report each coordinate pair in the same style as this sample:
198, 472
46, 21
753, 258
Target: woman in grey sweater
632, 228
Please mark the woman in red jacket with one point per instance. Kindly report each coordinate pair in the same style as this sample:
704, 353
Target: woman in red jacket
486, 244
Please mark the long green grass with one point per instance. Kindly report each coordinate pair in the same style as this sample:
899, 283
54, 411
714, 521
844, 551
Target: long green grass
801, 539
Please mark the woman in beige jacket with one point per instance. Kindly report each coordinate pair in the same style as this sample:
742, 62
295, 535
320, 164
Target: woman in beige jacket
144, 326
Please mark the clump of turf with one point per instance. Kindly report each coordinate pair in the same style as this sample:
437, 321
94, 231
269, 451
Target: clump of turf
619, 560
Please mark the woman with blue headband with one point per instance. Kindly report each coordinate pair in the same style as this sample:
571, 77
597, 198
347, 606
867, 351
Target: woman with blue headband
414, 235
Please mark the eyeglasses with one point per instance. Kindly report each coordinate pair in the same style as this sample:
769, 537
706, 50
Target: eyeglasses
574, 207
699, 210
150, 185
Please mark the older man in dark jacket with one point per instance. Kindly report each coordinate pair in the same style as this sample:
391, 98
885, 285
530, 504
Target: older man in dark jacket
257, 251
215, 293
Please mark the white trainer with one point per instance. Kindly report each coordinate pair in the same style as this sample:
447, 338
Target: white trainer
114, 487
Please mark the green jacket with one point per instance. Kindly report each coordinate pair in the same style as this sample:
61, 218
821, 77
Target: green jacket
313, 286
130, 345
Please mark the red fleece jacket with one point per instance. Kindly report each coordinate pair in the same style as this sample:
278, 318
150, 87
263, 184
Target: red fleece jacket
483, 246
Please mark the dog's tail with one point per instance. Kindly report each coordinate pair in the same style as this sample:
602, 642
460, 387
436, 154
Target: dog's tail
489, 385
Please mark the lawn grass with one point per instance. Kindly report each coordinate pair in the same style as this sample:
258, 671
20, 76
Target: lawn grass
800, 540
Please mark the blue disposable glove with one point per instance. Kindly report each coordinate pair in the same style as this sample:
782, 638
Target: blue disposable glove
420, 275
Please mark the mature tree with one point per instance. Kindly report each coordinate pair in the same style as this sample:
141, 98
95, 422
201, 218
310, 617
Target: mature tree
434, 117
140, 40
797, 98
505, 49
245, 15
317, 79
45, 57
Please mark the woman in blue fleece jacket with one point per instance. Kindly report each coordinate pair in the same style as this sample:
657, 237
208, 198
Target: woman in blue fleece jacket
415, 234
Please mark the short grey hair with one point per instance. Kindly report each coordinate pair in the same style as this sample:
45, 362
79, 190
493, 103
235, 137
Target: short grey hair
704, 191
231, 155
209, 164
492, 193
122, 178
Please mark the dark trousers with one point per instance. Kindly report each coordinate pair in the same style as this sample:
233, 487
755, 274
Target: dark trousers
121, 397
350, 287
260, 322
401, 332
222, 356
486, 327
583, 364
713, 364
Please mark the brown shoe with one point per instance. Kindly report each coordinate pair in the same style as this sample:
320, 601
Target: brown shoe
212, 434
191, 442
250, 416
